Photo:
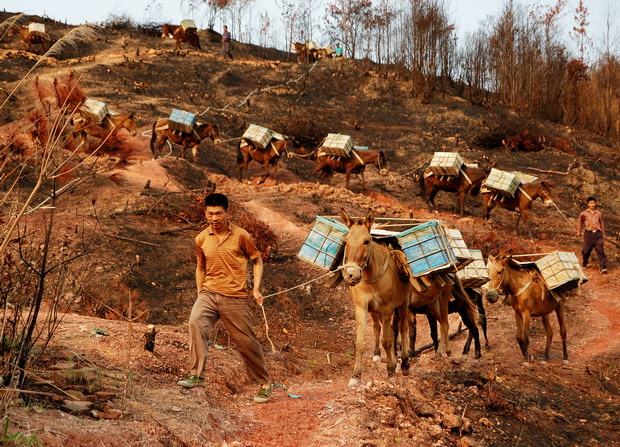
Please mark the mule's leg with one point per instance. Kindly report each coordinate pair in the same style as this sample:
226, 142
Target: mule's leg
432, 324
376, 327
363, 182
388, 344
483, 321
488, 205
265, 173
361, 313
549, 332
559, 311
461, 201
412, 333
444, 340
403, 329
195, 153
430, 198
347, 178
275, 168
525, 335
243, 165
473, 332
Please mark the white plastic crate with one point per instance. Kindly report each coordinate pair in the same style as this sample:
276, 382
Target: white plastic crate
94, 109
36, 27
337, 144
525, 178
446, 163
259, 135
561, 271
188, 25
502, 181
459, 248
474, 274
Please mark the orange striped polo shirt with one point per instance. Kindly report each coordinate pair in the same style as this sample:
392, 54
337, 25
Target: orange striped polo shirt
226, 266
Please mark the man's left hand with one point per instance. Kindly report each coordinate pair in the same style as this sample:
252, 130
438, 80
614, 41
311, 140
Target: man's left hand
258, 297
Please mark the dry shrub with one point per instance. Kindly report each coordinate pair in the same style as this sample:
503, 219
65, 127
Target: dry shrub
265, 239
114, 305
304, 130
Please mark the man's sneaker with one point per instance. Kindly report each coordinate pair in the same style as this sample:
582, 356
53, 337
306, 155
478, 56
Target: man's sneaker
192, 382
264, 393
603, 270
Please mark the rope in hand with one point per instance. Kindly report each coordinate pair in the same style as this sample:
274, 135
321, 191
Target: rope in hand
572, 224
273, 348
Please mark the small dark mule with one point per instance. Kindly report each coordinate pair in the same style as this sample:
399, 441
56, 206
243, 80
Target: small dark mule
248, 151
528, 295
161, 133
521, 202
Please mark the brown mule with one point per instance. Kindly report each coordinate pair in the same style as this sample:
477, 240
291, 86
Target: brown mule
161, 133
180, 35
353, 164
248, 151
29, 37
469, 179
521, 202
528, 295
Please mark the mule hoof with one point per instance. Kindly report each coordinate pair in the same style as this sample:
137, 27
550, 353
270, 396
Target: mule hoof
406, 372
376, 358
543, 362
353, 382
565, 362
526, 363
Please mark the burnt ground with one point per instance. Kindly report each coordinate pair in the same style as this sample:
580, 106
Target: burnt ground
495, 401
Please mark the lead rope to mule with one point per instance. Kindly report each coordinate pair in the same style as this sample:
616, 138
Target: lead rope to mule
273, 349
571, 223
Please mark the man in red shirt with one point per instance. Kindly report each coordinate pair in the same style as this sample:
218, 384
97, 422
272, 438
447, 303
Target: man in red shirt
590, 223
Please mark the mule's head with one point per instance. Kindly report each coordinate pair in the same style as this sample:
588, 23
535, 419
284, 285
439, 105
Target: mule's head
382, 164
209, 131
128, 123
357, 246
545, 194
498, 272
12, 30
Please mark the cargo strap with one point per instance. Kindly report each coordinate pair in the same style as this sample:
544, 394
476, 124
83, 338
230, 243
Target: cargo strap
381, 272
358, 157
110, 121
164, 127
466, 177
196, 134
525, 287
525, 194
274, 148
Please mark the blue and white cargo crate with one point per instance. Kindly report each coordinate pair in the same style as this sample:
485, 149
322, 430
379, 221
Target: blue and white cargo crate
427, 249
324, 243
181, 120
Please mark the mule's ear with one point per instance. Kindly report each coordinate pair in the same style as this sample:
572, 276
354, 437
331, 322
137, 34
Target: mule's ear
370, 218
345, 218
491, 258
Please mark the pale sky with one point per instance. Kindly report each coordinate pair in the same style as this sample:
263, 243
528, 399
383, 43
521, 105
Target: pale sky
468, 14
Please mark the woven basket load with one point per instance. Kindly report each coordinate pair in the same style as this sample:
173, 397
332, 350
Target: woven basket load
94, 109
446, 163
561, 271
329, 50
525, 178
474, 274
311, 45
188, 25
427, 249
324, 243
502, 181
459, 248
181, 121
259, 135
337, 144
36, 28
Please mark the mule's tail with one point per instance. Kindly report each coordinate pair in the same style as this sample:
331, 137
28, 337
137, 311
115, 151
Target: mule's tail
421, 181
153, 138
461, 294
476, 189
239, 153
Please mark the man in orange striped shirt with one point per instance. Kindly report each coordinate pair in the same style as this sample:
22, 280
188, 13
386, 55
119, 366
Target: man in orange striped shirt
222, 254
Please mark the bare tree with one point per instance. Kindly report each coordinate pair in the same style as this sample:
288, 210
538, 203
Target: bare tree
347, 17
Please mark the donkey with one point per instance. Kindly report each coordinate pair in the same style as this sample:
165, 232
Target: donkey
355, 163
248, 151
181, 35
521, 202
469, 180
528, 295
372, 272
30, 37
161, 133
84, 126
